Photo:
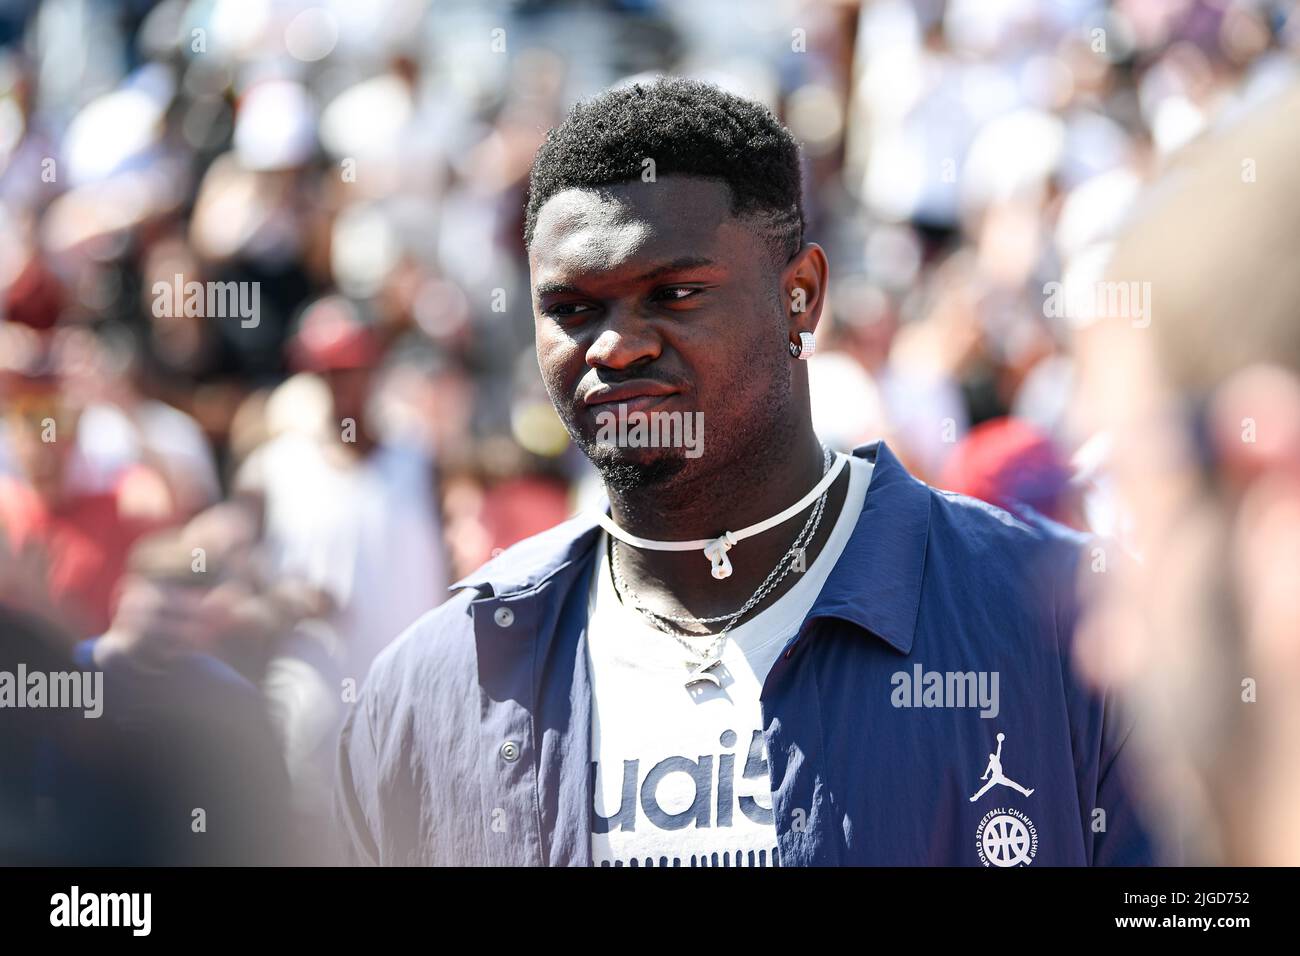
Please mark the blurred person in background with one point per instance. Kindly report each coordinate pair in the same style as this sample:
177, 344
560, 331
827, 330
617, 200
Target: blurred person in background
1202, 406
498, 499
57, 799
183, 662
123, 429
1009, 463
281, 642
347, 504
183, 763
62, 549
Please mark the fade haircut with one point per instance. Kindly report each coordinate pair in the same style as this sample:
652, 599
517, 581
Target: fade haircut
686, 127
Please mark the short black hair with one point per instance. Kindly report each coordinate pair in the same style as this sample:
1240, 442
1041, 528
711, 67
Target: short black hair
687, 127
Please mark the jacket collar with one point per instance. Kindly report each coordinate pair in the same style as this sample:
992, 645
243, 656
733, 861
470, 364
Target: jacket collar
523, 566
876, 583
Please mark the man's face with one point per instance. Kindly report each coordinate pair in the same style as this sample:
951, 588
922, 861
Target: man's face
654, 298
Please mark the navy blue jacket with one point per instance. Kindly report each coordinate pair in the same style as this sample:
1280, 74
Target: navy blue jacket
470, 743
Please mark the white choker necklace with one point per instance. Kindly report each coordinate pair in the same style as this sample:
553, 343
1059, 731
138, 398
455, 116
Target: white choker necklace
715, 549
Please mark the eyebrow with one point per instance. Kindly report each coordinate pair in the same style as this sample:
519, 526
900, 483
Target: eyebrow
677, 265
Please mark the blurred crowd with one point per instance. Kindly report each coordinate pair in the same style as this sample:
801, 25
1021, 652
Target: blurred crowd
280, 490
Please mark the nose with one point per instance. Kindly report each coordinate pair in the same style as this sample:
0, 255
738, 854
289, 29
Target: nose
624, 342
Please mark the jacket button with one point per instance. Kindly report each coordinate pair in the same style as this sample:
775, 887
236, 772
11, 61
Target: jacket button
509, 751
504, 617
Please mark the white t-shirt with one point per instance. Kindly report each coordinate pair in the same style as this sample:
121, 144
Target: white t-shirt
682, 777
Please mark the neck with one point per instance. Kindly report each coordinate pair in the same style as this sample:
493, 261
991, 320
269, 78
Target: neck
740, 494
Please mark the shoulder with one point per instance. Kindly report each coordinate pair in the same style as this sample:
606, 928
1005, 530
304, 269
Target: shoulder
1027, 564
984, 533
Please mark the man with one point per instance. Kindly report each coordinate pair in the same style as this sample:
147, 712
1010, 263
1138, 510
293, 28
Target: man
1201, 400
179, 765
379, 559
62, 550
593, 696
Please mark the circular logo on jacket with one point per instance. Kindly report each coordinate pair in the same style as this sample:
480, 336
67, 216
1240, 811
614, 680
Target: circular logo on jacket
1006, 837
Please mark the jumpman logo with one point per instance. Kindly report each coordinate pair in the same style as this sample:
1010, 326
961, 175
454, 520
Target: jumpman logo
993, 773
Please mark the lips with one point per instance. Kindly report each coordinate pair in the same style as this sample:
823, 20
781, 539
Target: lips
632, 393
643, 404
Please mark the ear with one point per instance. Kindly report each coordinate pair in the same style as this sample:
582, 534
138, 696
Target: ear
803, 288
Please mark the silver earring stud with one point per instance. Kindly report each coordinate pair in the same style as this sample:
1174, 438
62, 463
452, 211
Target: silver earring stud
805, 347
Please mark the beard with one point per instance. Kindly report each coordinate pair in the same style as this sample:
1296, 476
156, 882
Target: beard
622, 474
629, 470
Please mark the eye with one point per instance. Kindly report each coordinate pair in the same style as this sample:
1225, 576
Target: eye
677, 293
564, 310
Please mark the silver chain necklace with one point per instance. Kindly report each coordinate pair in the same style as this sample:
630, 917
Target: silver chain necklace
703, 664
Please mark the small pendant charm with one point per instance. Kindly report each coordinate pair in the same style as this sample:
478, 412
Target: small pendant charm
700, 674
716, 552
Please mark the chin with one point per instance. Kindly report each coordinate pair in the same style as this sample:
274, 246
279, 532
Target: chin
628, 469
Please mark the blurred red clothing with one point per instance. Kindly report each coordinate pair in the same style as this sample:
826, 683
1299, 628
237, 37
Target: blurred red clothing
85, 539
1009, 463
518, 508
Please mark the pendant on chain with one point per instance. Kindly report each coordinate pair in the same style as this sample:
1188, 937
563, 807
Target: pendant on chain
700, 673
